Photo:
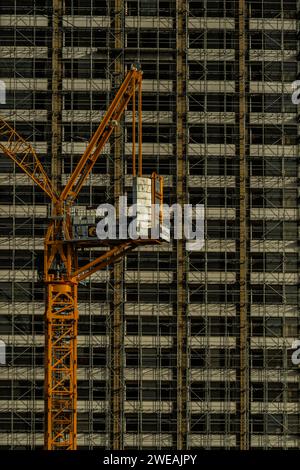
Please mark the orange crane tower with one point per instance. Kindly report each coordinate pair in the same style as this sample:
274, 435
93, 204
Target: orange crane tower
61, 271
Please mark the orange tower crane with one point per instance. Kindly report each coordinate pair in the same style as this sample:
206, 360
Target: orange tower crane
61, 271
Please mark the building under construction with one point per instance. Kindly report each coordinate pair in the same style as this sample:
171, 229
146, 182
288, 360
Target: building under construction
177, 349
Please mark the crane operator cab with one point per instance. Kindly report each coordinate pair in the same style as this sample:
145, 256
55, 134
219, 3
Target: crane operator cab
141, 220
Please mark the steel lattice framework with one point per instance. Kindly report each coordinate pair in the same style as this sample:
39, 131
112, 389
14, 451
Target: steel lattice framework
61, 272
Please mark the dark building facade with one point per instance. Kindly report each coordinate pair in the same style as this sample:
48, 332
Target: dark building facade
201, 341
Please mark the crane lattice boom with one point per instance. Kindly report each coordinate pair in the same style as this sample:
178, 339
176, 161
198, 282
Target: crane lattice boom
61, 271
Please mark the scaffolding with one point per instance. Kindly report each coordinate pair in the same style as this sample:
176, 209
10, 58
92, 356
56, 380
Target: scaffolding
176, 349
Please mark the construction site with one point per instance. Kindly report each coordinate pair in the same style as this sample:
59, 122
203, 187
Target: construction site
146, 344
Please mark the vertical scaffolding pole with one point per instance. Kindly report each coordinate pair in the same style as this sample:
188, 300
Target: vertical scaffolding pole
181, 152
117, 330
243, 230
55, 86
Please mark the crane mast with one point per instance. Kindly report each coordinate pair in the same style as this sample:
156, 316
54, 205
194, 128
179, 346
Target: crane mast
61, 271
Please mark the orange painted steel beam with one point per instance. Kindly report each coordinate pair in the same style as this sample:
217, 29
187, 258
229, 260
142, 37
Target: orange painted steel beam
103, 260
109, 257
61, 366
23, 154
102, 134
61, 272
